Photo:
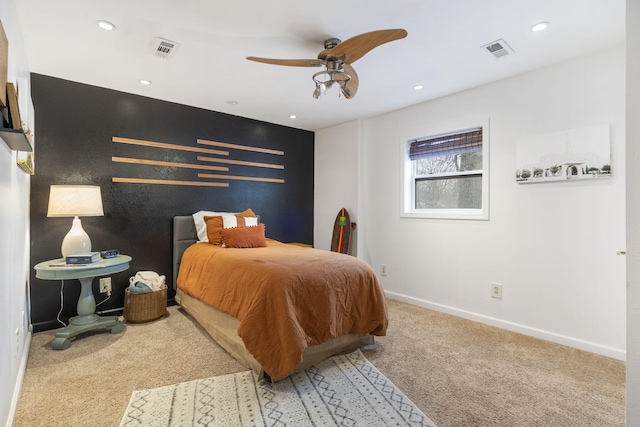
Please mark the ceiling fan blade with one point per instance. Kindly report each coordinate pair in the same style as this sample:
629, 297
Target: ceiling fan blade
352, 84
289, 62
349, 51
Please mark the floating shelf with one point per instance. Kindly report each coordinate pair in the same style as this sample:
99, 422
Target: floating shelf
16, 139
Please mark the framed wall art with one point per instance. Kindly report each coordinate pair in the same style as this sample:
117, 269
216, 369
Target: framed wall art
579, 154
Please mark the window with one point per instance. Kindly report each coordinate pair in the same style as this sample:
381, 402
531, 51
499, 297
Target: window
446, 175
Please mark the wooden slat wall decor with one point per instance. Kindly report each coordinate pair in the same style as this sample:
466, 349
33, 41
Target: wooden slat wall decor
169, 146
170, 164
240, 178
162, 163
170, 182
241, 147
240, 162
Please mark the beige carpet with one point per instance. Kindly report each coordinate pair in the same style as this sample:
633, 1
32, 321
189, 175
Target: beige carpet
458, 372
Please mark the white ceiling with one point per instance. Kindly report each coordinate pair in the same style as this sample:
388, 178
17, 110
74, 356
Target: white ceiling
442, 51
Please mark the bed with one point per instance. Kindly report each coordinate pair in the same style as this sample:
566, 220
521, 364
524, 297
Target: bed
276, 333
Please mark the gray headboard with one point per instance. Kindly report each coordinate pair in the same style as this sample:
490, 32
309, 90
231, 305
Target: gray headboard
184, 235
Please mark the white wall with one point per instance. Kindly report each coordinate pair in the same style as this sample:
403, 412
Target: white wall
336, 180
633, 211
14, 239
552, 246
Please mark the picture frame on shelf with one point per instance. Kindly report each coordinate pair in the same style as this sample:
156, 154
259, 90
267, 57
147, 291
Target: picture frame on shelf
14, 110
4, 64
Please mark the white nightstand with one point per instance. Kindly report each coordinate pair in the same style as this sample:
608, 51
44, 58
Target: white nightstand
87, 319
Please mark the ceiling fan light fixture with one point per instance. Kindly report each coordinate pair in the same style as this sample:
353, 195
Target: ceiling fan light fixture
327, 85
332, 75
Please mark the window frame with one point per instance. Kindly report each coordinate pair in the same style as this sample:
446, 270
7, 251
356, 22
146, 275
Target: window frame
409, 179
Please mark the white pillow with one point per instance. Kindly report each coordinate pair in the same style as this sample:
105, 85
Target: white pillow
229, 220
201, 226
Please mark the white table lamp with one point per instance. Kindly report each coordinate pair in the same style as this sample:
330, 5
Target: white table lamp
75, 201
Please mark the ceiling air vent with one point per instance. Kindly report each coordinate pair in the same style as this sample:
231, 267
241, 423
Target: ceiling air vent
498, 48
164, 48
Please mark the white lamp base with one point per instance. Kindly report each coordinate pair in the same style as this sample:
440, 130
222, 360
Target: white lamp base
76, 241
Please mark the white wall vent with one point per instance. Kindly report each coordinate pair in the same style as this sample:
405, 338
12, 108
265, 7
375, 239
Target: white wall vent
498, 48
164, 48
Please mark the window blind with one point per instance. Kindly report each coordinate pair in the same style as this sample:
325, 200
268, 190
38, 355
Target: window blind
464, 142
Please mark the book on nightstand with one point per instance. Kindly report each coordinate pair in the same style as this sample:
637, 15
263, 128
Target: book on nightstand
88, 258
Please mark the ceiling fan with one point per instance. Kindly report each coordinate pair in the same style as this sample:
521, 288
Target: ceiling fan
337, 58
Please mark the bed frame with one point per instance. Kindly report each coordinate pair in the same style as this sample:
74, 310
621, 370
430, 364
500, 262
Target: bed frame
222, 327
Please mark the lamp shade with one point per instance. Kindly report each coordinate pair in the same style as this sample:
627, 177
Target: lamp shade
75, 200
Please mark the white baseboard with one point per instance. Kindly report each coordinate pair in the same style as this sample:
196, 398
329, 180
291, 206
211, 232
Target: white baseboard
18, 387
592, 347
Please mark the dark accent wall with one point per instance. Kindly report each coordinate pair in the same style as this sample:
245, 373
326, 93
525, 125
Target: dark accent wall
75, 124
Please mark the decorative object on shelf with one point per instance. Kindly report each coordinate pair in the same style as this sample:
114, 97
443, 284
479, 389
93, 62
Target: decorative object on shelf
14, 110
4, 64
75, 201
27, 164
26, 160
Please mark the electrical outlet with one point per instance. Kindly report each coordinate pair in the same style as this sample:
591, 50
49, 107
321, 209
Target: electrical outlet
496, 290
105, 285
383, 269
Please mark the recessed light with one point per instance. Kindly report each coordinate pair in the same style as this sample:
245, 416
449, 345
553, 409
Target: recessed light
539, 26
418, 87
232, 102
106, 25
293, 116
145, 82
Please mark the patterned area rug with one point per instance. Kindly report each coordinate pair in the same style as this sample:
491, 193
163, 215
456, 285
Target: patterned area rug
343, 390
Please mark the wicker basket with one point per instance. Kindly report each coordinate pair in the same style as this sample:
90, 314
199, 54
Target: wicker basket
144, 307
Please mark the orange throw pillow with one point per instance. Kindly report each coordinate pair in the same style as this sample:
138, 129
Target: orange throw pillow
216, 223
244, 237
248, 212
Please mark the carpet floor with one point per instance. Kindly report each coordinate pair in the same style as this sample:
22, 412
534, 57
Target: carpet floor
458, 372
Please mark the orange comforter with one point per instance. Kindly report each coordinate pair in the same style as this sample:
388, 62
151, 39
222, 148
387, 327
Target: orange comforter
286, 297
